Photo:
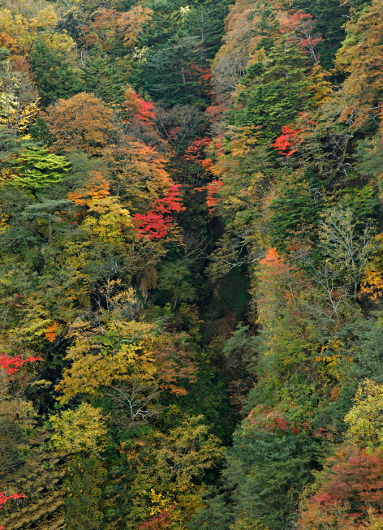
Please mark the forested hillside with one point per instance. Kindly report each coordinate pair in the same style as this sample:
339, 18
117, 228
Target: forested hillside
191, 264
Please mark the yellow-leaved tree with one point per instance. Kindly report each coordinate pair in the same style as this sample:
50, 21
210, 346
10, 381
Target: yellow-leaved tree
19, 99
20, 31
365, 419
82, 429
126, 358
107, 346
169, 471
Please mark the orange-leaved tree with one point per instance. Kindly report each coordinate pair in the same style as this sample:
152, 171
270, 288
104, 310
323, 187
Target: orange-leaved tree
112, 28
136, 172
82, 122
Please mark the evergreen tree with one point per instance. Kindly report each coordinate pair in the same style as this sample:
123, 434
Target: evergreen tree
54, 75
273, 91
329, 18
103, 77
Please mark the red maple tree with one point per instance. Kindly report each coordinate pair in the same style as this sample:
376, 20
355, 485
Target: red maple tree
293, 135
352, 486
139, 111
155, 223
4, 498
300, 26
12, 364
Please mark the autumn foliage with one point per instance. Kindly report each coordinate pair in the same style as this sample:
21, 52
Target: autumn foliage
191, 263
4, 498
138, 110
352, 485
163, 520
293, 135
275, 420
95, 188
11, 365
110, 26
300, 26
156, 223
81, 122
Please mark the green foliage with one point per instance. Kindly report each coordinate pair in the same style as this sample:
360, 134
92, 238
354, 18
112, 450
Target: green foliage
369, 157
85, 502
246, 317
328, 22
366, 350
272, 454
242, 346
186, 36
295, 213
102, 77
55, 76
174, 279
209, 396
37, 168
274, 91
217, 513
29, 465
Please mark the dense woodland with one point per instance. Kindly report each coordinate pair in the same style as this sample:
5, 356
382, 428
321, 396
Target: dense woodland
191, 264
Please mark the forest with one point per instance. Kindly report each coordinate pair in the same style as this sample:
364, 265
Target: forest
191, 264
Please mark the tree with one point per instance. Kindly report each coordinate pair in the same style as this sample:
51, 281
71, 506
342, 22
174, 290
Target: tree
90, 493
175, 75
365, 427
162, 521
10, 365
4, 499
18, 99
137, 172
28, 464
156, 222
103, 77
168, 470
347, 251
113, 29
361, 57
111, 348
273, 90
79, 430
178, 124
55, 78
25, 31
300, 27
273, 451
35, 168
350, 491
81, 122
247, 24
173, 278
